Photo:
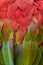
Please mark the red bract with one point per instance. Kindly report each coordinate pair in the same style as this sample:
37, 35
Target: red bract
21, 13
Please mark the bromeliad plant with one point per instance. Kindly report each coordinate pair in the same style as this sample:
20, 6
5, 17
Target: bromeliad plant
21, 21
